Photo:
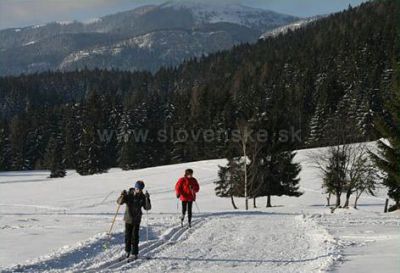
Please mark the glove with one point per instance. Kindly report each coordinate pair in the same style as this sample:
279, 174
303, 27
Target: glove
178, 195
147, 195
123, 193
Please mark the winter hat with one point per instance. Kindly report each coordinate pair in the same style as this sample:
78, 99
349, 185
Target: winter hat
188, 172
139, 185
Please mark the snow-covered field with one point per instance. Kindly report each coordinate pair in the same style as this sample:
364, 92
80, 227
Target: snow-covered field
59, 225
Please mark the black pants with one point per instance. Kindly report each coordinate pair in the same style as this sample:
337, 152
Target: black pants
187, 206
132, 238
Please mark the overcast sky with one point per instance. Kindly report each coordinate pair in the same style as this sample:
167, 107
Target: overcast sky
18, 13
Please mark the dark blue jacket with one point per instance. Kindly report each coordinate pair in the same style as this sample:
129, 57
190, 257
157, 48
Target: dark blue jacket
134, 204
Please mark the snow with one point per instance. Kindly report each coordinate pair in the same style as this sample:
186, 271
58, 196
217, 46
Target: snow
286, 28
29, 43
92, 21
37, 26
225, 11
116, 50
75, 57
64, 23
59, 225
144, 41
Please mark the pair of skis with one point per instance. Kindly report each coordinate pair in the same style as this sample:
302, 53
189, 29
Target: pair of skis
133, 258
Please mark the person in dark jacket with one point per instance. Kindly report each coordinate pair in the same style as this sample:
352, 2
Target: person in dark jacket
135, 200
186, 189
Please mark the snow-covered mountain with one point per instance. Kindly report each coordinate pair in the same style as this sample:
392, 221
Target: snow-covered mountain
144, 38
206, 13
290, 27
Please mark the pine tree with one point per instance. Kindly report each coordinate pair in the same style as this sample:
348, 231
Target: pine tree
289, 175
388, 157
90, 154
125, 155
341, 127
127, 159
91, 157
18, 131
364, 117
72, 122
133, 137
230, 180
54, 156
317, 123
5, 147
277, 176
334, 180
272, 170
114, 109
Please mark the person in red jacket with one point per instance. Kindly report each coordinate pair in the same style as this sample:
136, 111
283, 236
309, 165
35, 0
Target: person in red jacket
186, 189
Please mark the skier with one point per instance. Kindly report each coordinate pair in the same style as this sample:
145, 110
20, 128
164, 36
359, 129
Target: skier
186, 189
134, 199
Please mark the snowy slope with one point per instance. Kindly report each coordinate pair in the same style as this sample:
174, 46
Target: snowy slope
224, 11
145, 38
289, 27
59, 226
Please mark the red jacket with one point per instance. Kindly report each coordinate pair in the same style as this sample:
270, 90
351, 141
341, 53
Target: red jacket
187, 188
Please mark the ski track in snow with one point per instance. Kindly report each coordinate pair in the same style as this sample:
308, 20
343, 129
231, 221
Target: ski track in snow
223, 245
51, 225
216, 242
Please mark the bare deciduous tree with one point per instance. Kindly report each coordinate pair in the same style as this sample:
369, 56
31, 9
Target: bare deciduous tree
345, 168
361, 173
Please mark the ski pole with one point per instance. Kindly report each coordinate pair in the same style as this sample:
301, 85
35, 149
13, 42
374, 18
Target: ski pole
147, 220
198, 210
113, 221
147, 225
107, 242
177, 210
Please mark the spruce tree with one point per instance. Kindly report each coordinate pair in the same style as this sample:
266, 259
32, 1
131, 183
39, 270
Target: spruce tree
365, 117
230, 180
114, 115
388, 157
278, 175
289, 175
334, 180
317, 126
91, 157
72, 122
54, 156
5, 147
90, 154
18, 132
125, 155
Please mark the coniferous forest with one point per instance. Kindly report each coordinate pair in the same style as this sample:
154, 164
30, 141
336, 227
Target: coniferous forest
335, 72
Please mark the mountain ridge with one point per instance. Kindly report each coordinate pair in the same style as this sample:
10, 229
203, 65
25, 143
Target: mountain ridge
29, 49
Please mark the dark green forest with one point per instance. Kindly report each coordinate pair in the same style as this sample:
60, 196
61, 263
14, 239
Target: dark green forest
335, 72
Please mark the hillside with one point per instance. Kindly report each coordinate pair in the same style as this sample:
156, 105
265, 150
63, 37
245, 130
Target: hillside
337, 70
145, 38
65, 222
